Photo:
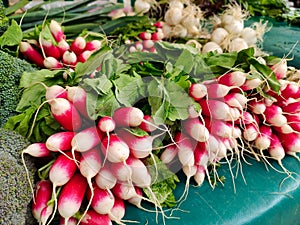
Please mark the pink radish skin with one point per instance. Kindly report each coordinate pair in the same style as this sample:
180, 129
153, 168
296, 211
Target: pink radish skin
77, 95
31, 54
257, 107
50, 49
159, 24
78, 45
93, 45
237, 100
216, 109
69, 58
52, 63
106, 124
251, 84
102, 201
115, 149
83, 56
71, 221
218, 127
57, 31
236, 78
246, 118
140, 146
118, 210
60, 141
294, 121
105, 179
169, 154
86, 139
43, 193
292, 107
263, 141
139, 46
217, 90
65, 114
140, 175
71, 196
276, 149
197, 91
148, 44
250, 132
145, 36
46, 213
195, 128
157, 36
90, 163
290, 142
186, 147
121, 171
124, 191
137, 199
201, 154
273, 115
199, 175
284, 129
280, 69
55, 91
37, 150
292, 90
147, 126
128, 117
94, 218
63, 46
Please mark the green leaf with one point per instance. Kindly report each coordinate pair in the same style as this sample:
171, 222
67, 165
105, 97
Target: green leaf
101, 85
12, 36
45, 33
185, 60
136, 131
129, 89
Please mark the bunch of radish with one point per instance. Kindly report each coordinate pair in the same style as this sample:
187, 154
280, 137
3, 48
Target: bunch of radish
182, 19
147, 39
230, 34
55, 51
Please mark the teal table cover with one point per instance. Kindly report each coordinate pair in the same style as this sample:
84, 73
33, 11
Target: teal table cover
266, 196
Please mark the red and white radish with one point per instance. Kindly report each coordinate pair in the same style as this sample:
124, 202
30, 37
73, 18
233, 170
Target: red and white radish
197, 91
77, 95
78, 45
94, 218
235, 78
31, 54
195, 129
60, 141
57, 31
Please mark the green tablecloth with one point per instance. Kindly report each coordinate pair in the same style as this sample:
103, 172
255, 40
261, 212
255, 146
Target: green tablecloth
267, 198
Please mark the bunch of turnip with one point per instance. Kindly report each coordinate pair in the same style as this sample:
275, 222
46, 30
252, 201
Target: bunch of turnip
230, 34
182, 19
55, 51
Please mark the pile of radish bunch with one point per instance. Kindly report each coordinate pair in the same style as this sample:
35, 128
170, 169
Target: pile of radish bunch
147, 39
53, 51
229, 33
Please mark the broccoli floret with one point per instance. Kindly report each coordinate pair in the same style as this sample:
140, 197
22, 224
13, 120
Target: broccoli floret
15, 192
11, 70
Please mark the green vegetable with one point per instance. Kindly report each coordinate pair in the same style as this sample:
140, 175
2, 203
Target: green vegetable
4, 21
15, 193
11, 70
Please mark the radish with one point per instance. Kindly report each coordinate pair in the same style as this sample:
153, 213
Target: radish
292, 108
77, 95
65, 113
280, 69
83, 56
121, 171
185, 149
57, 31
217, 90
276, 149
86, 139
118, 210
169, 154
218, 127
273, 115
63, 46
52, 63
124, 190
285, 129
263, 141
237, 100
147, 126
105, 179
173, 16
290, 142
148, 44
201, 154
78, 45
157, 36
31, 54
140, 146
128, 116
197, 91
291, 90
115, 149
46, 213
71, 196
141, 6
249, 35
237, 44
215, 109
61, 171
194, 128
93, 45
55, 91
37, 150
145, 35
42, 195
257, 107
106, 124
94, 218
294, 121
140, 175
60, 141
251, 84
159, 24
235, 78
70, 221
49, 49
199, 175
250, 132
102, 201
139, 46
69, 58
